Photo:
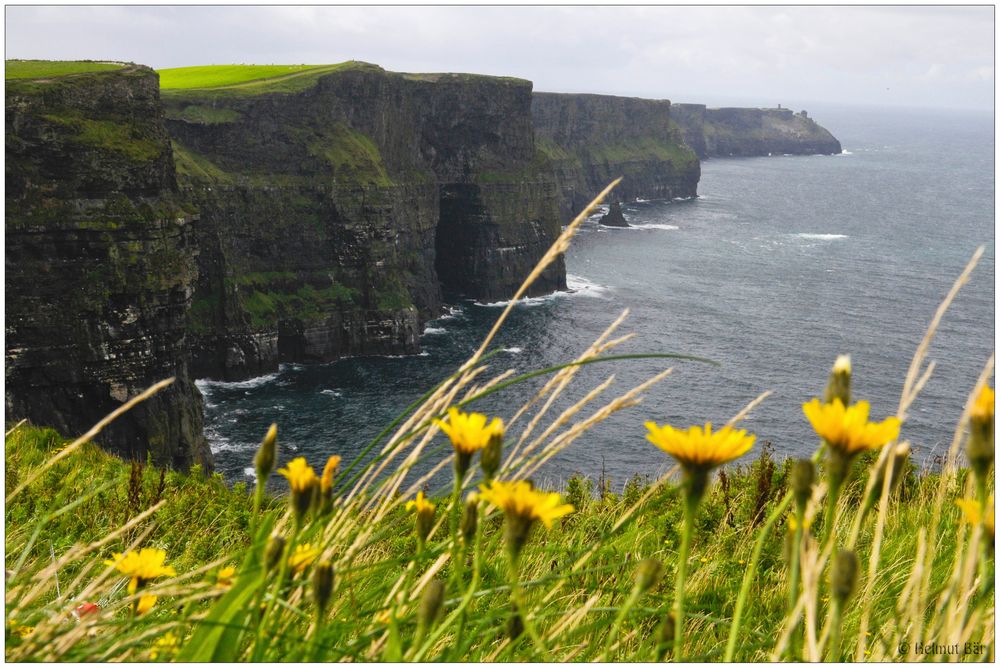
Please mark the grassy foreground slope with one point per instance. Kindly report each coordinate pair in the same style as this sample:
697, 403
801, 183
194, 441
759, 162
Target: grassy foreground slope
202, 525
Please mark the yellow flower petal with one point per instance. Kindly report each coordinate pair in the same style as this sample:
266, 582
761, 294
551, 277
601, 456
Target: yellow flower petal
847, 429
700, 447
520, 499
469, 432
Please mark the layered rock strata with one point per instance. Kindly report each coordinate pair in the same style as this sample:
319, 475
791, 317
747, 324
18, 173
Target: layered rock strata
593, 139
100, 264
334, 218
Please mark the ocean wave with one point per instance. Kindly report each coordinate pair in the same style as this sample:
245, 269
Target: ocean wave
584, 287
453, 313
819, 237
844, 152
513, 350
650, 226
434, 330
207, 384
577, 286
332, 393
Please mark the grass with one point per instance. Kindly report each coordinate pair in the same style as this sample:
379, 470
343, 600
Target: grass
44, 69
595, 585
241, 80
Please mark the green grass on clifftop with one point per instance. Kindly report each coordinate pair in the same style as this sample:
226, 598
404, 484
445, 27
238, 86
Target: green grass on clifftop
245, 79
39, 69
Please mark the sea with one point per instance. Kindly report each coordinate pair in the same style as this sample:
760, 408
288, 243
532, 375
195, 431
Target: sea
781, 264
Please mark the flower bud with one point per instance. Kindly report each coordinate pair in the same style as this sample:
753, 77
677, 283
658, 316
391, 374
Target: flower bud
980, 449
470, 518
839, 385
272, 553
322, 581
431, 601
515, 625
264, 459
304, 498
648, 574
462, 461
489, 458
666, 636
843, 575
803, 477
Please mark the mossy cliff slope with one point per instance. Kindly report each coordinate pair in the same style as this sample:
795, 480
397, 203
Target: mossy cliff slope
99, 262
339, 204
737, 131
593, 139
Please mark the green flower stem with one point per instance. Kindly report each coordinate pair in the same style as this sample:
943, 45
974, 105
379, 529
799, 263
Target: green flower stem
830, 517
460, 611
751, 572
259, 645
835, 652
457, 551
517, 596
622, 614
690, 505
793, 576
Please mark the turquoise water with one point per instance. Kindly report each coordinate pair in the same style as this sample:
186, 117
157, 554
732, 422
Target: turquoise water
780, 265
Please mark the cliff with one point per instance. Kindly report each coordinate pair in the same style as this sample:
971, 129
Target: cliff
338, 206
737, 131
593, 139
100, 260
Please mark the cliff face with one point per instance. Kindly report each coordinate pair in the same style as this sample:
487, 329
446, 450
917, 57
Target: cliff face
99, 264
333, 217
749, 132
593, 139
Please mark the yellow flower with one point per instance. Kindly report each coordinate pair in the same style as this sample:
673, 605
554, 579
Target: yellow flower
973, 514
145, 604
141, 566
848, 430
793, 524
304, 555
699, 448
983, 407
519, 499
224, 578
20, 630
166, 645
468, 431
326, 483
420, 504
300, 475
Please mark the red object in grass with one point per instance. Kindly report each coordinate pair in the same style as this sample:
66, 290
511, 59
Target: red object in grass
85, 609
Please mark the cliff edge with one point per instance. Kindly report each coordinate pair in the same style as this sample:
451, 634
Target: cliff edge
743, 132
100, 260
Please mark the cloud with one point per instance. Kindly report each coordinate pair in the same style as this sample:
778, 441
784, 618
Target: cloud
759, 54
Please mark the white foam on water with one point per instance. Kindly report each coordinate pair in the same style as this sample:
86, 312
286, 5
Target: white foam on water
820, 237
453, 313
640, 200
514, 350
251, 473
332, 393
422, 353
844, 152
207, 384
434, 330
650, 226
584, 287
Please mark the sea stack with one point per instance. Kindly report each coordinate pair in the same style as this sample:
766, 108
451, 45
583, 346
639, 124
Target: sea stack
614, 217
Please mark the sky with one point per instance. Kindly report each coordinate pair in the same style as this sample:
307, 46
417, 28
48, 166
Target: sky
755, 56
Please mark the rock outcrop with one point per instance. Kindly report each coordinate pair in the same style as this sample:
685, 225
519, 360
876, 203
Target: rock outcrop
593, 139
100, 264
334, 217
614, 217
734, 131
